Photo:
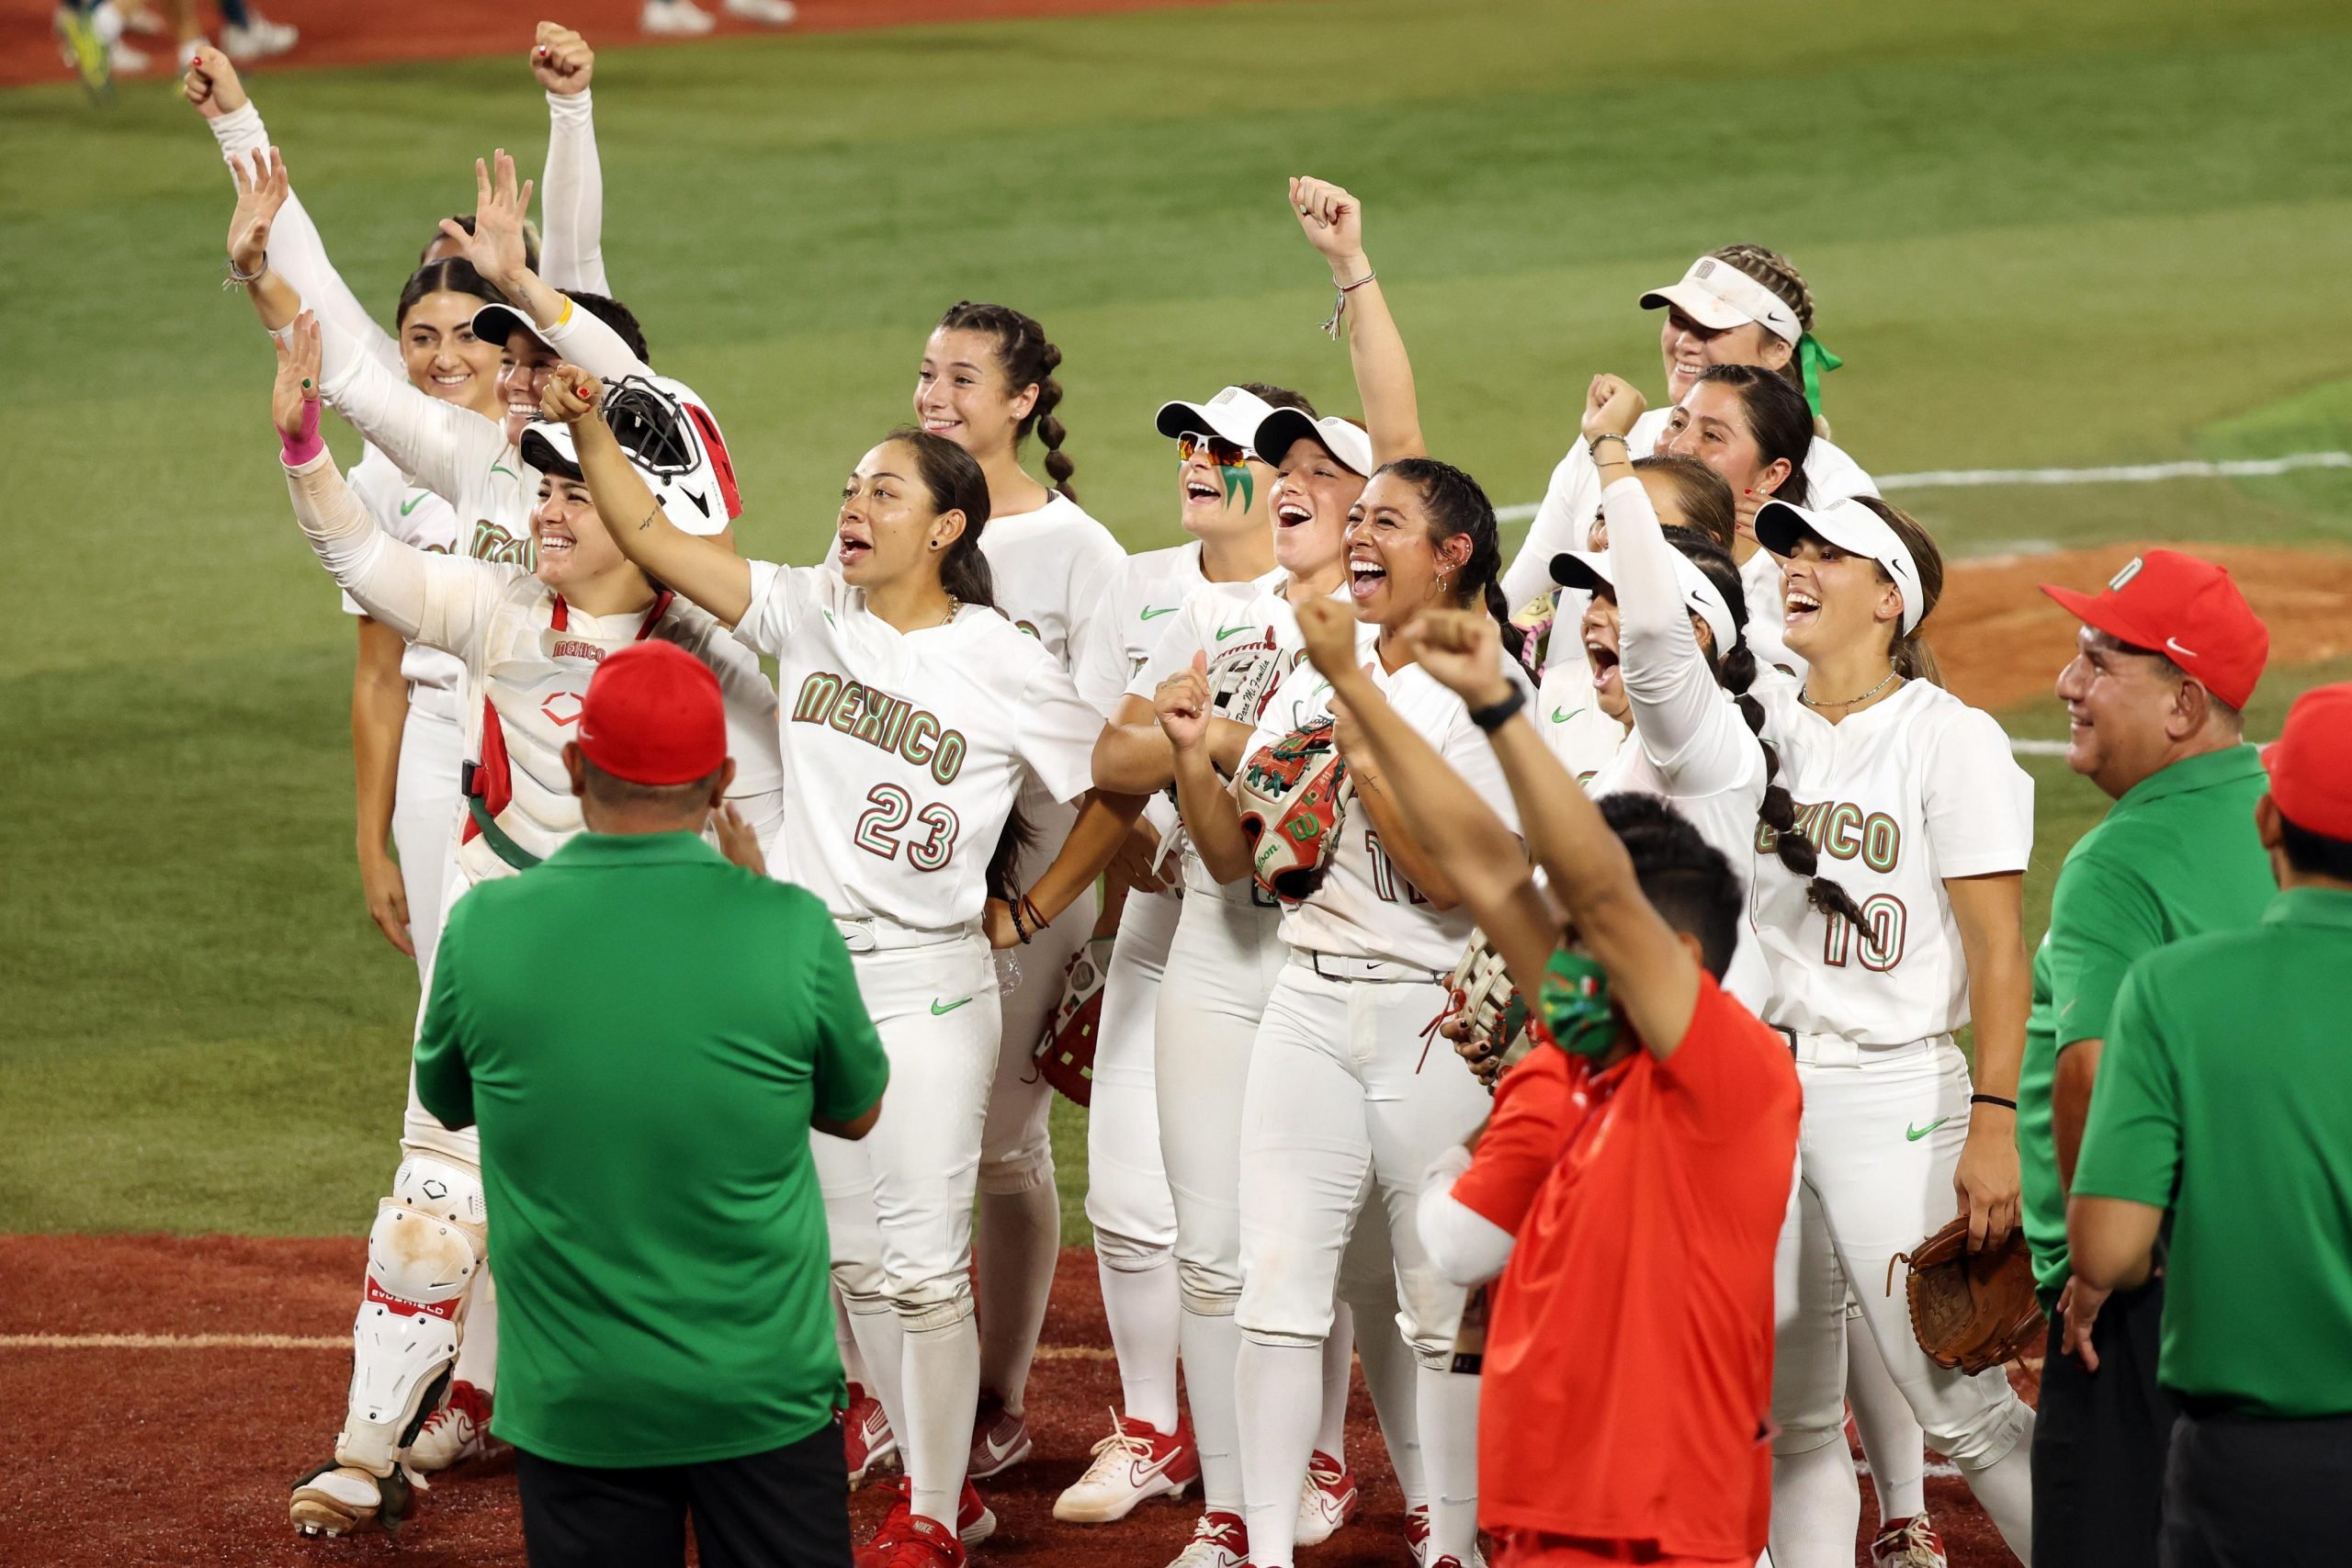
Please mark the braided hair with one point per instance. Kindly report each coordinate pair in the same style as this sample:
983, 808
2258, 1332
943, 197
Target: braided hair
1457, 504
1735, 672
1028, 359
1780, 274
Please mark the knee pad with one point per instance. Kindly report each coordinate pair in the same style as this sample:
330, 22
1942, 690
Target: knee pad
425, 1247
1126, 1254
1017, 1170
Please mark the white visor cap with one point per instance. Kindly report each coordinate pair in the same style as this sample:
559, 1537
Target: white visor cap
1719, 296
1854, 528
1232, 415
1279, 430
1588, 570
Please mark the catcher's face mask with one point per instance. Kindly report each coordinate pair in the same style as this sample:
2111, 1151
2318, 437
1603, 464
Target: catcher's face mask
1575, 1004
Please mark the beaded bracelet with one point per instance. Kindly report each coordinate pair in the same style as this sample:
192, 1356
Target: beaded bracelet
1340, 303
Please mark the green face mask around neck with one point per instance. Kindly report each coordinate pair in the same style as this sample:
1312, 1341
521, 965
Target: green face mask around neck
1575, 1005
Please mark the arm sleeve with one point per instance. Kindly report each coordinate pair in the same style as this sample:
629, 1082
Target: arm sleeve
2131, 1142
851, 1067
594, 346
1464, 1246
437, 443
1569, 503
2103, 919
571, 198
444, 1082
1729, 1072
1685, 725
439, 600
1054, 731
1979, 801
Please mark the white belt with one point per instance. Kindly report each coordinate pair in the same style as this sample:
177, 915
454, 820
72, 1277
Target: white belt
1836, 1050
1386, 971
433, 702
867, 934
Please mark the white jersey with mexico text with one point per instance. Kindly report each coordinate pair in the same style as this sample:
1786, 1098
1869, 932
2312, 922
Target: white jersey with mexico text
1138, 603
904, 752
1364, 906
1226, 621
1898, 798
1574, 496
527, 657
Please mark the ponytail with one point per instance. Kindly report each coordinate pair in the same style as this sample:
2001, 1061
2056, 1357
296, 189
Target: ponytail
1028, 359
1457, 505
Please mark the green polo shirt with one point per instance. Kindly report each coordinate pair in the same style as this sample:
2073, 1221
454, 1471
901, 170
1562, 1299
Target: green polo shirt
643, 1032
2224, 1094
2176, 856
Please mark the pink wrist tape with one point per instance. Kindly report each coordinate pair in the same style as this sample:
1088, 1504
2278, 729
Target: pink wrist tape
301, 448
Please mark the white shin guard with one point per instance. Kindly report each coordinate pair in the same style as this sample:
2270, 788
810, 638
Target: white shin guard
423, 1253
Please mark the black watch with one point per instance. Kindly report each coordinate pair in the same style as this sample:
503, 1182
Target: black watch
1493, 717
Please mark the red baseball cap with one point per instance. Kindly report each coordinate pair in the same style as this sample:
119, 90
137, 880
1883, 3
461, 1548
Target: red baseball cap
2185, 609
653, 715
2310, 763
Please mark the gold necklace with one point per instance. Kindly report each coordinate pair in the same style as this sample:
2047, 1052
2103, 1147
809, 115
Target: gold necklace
955, 608
1804, 695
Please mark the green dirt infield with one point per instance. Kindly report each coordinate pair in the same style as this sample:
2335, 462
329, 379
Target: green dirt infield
2107, 232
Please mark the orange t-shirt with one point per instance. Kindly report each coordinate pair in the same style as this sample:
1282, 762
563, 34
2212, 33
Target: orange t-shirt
1521, 1142
1628, 1375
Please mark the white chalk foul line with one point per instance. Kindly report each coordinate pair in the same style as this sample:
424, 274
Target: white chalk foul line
328, 1342
2127, 473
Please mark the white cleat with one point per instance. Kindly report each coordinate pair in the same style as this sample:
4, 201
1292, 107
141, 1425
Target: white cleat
1328, 1500
767, 13
341, 1499
1219, 1540
674, 18
259, 39
1909, 1543
458, 1431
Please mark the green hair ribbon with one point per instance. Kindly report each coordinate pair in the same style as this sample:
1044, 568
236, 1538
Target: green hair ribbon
1815, 361
1575, 1005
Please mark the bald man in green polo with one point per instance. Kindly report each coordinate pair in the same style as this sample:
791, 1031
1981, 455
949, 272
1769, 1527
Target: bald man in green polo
645, 1035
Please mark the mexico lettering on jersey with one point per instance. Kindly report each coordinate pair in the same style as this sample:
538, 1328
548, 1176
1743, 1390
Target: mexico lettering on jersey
904, 752
1899, 798
1366, 908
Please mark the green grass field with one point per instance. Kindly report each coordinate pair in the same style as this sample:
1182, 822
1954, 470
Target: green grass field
2108, 232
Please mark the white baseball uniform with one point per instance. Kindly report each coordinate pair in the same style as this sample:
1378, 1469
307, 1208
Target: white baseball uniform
1348, 1096
904, 753
1898, 798
1573, 497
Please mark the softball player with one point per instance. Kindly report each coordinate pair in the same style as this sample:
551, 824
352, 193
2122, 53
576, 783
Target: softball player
986, 382
1337, 1104
528, 642
904, 800
1917, 796
1226, 500
1225, 958
1740, 305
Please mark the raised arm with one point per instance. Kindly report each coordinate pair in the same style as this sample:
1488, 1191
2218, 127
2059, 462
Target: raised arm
296, 249
1212, 818
571, 196
1332, 220
705, 570
496, 249
1654, 974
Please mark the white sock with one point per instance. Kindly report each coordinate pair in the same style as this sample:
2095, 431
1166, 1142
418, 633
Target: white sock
1142, 1308
942, 1386
1339, 1362
2005, 1490
1212, 1344
1447, 1407
1892, 1441
881, 1345
1393, 1375
1817, 1507
478, 1345
1277, 1394
1019, 1237
845, 1342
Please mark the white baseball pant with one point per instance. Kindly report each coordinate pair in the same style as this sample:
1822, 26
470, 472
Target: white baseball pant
424, 810
899, 1202
1881, 1136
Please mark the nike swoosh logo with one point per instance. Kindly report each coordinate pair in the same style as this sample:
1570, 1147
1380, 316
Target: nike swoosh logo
2174, 645
1559, 717
510, 473
829, 618
936, 1009
413, 502
1913, 1134
1152, 615
1231, 631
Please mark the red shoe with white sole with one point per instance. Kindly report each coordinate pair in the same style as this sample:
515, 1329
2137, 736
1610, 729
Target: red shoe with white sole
1219, 1540
999, 1438
1137, 1461
1328, 1501
458, 1431
1908, 1543
867, 1442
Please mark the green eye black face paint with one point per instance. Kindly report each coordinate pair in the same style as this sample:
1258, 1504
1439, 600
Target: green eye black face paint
1239, 476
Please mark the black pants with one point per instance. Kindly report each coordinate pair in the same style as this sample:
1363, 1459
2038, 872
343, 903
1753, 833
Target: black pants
2099, 1441
2245, 1492
787, 1508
